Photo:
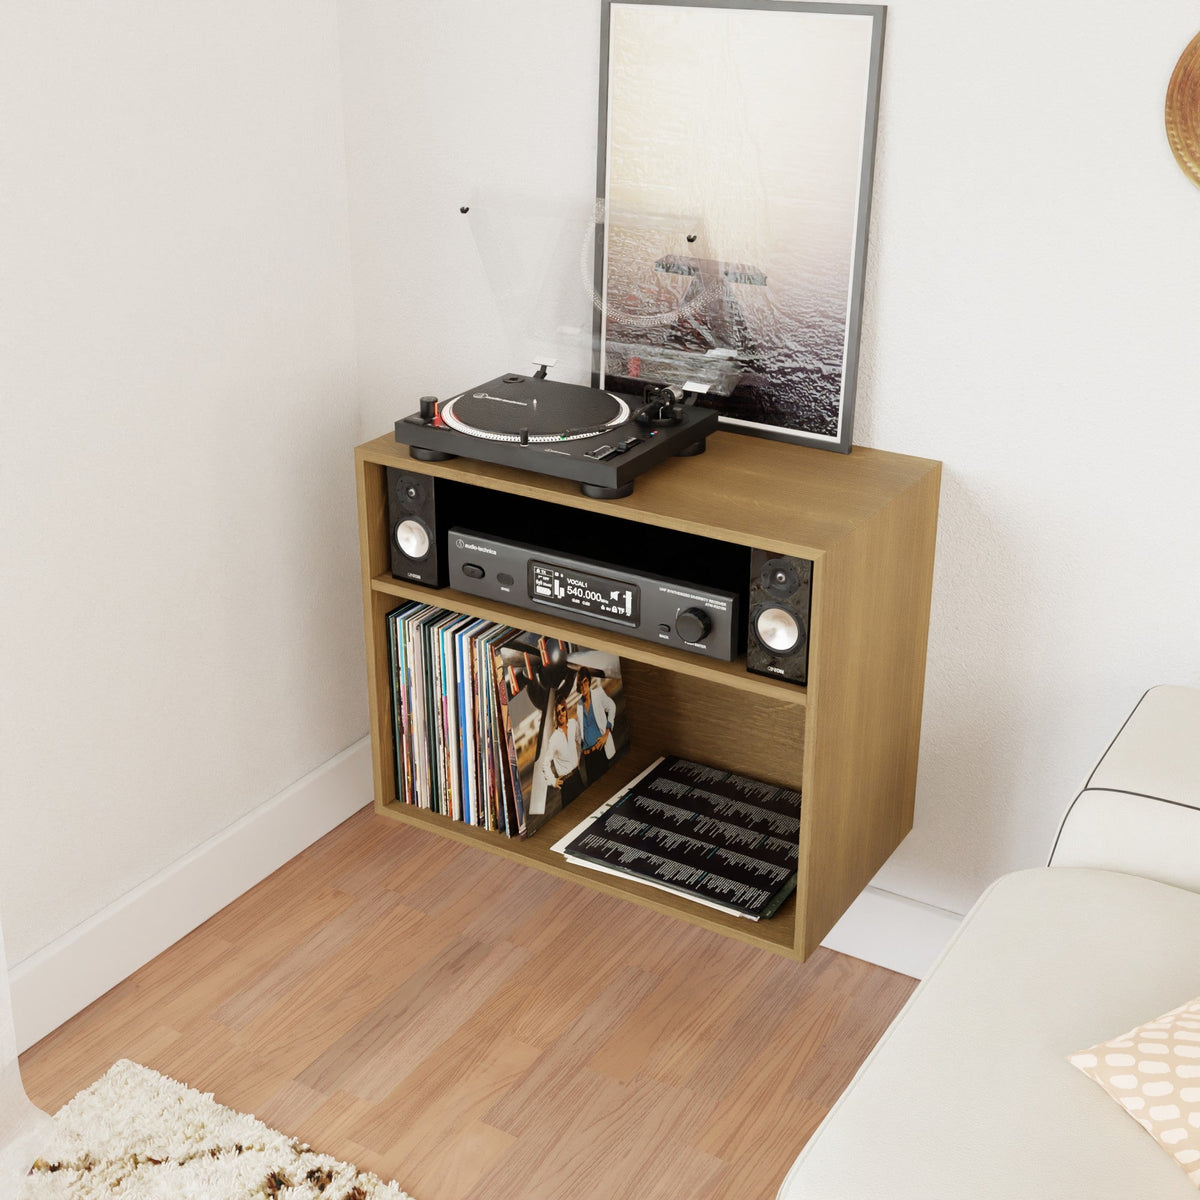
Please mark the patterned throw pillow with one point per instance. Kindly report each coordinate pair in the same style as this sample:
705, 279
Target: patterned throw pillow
1153, 1072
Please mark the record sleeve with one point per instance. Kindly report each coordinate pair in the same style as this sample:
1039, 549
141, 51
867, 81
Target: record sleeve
557, 745
401, 705
719, 837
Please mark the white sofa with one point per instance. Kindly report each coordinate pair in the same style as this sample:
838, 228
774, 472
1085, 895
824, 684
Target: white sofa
969, 1094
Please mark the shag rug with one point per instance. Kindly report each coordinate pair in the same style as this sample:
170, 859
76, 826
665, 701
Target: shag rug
137, 1135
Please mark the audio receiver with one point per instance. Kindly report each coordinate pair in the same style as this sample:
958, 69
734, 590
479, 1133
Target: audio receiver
688, 616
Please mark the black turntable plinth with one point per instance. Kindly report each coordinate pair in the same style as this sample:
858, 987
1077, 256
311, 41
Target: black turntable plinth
603, 440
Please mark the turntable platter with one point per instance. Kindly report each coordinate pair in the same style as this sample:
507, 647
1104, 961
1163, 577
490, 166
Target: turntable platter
517, 408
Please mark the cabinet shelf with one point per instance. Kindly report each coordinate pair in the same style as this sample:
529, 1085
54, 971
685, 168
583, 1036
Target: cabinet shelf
732, 674
849, 740
778, 932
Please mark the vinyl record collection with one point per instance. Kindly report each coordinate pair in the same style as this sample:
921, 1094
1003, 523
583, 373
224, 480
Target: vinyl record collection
498, 727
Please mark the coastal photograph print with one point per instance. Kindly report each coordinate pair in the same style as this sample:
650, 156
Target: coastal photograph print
735, 162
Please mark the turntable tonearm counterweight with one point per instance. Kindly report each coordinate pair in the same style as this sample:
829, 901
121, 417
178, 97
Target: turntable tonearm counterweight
603, 440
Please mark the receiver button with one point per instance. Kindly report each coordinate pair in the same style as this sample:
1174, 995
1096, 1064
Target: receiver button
474, 570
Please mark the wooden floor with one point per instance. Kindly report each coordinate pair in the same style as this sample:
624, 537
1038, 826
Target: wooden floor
477, 1030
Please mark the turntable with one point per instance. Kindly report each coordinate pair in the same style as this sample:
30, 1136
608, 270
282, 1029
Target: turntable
603, 440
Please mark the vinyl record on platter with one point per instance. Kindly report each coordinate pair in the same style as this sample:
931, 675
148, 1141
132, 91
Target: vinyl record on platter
524, 412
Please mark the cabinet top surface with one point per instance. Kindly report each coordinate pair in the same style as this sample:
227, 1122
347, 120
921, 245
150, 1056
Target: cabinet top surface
745, 489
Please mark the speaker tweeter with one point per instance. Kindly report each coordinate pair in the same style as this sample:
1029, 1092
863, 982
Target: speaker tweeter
780, 607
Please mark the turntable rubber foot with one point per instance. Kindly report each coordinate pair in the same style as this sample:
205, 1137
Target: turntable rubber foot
695, 448
597, 491
419, 452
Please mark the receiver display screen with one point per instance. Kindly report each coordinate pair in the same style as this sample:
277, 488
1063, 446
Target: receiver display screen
617, 600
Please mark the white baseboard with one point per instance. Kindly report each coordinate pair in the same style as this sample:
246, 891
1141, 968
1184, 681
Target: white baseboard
65, 977
893, 931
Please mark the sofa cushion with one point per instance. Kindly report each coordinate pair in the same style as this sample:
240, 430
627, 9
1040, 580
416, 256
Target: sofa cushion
1156, 753
1140, 810
970, 1092
1139, 835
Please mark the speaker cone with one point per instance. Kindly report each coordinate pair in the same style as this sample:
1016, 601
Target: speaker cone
412, 538
777, 629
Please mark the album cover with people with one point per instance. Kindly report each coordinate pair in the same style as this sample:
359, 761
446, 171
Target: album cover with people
564, 713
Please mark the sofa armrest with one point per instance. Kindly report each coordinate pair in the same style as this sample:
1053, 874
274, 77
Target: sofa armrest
1139, 811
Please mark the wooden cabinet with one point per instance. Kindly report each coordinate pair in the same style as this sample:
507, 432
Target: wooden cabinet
867, 522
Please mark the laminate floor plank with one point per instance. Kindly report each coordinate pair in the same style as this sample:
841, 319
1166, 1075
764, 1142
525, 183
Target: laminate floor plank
452, 1167
348, 919
614, 1130
654, 1042
453, 1092
860, 1025
415, 1020
479, 1030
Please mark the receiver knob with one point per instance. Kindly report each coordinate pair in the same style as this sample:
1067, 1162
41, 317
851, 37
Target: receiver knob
692, 624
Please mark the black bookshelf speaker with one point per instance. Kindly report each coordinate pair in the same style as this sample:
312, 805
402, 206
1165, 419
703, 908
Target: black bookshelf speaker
780, 607
415, 535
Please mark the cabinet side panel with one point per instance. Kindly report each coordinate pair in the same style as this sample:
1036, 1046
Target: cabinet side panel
865, 694
373, 533
372, 545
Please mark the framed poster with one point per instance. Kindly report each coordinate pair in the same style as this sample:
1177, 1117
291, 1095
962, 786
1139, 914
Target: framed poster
734, 179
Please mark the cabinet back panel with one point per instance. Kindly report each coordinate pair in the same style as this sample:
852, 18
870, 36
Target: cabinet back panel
671, 713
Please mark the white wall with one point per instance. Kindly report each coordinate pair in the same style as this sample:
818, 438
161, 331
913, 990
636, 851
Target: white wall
1031, 320
181, 632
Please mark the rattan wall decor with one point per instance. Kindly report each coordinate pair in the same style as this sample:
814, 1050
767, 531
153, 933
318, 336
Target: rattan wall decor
1183, 111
